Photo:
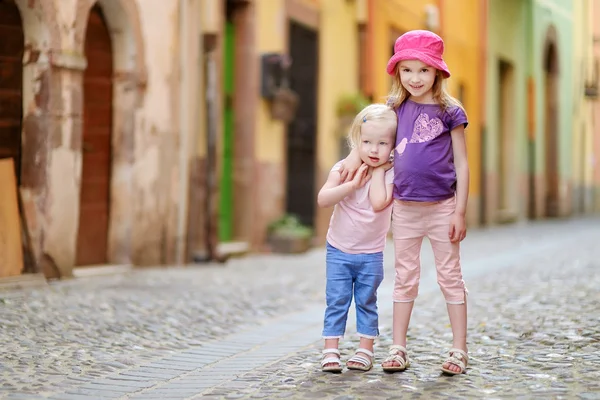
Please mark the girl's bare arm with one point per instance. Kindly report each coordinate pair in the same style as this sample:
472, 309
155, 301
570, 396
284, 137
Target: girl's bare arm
380, 194
333, 191
459, 148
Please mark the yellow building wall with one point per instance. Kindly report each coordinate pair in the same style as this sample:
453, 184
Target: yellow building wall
270, 37
583, 127
460, 29
338, 75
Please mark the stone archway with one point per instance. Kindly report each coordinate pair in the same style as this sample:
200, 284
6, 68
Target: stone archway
40, 132
129, 79
550, 64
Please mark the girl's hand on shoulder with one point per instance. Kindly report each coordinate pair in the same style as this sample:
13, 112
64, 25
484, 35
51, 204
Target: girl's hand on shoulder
386, 166
458, 228
361, 177
350, 166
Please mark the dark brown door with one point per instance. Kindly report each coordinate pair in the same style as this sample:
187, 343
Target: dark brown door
301, 136
92, 240
551, 137
11, 81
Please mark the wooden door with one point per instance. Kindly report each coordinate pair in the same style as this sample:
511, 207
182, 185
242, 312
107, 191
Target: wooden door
92, 240
302, 132
551, 132
11, 81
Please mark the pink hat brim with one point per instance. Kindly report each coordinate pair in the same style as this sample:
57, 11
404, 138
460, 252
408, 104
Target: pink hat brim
411, 54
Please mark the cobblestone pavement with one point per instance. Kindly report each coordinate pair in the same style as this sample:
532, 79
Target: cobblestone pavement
251, 329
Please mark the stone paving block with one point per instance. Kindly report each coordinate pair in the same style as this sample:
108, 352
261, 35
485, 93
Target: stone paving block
152, 396
22, 396
107, 387
205, 359
154, 376
172, 393
186, 385
93, 393
207, 376
124, 383
171, 366
131, 378
217, 349
188, 357
68, 396
181, 361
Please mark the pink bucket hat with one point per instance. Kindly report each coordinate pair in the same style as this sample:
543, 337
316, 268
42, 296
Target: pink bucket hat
419, 45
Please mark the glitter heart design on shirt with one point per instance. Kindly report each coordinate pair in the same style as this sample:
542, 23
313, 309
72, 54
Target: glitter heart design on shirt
426, 129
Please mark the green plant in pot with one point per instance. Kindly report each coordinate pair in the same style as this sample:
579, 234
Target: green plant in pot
288, 235
348, 105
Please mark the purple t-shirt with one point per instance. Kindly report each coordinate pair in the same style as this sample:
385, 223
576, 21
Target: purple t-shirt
423, 159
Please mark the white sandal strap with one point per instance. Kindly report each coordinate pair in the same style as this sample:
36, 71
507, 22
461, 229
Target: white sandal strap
455, 360
360, 359
331, 360
464, 355
365, 351
395, 348
461, 352
331, 351
394, 355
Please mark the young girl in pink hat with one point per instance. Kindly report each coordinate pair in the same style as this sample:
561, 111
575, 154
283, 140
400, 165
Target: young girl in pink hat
431, 184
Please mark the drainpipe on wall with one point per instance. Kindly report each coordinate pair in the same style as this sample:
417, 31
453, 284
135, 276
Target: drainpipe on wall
212, 115
184, 134
369, 85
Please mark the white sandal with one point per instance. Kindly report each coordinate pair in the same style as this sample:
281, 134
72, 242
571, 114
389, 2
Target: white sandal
331, 360
366, 363
459, 358
395, 354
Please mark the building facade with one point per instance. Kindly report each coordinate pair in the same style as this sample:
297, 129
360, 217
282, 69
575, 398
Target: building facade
586, 135
270, 165
144, 146
94, 125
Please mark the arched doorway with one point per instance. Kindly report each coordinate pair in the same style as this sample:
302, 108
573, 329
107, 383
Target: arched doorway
92, 239
551, 110
11, 82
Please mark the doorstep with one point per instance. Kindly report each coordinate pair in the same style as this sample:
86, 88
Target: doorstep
101, 270
24, 281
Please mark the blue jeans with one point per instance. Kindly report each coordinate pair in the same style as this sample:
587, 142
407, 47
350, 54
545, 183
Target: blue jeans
348, 274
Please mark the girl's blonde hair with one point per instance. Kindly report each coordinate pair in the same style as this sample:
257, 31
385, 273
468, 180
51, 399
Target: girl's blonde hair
398, 94
372, 112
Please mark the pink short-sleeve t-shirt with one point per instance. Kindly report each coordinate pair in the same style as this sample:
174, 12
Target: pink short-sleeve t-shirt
355, 227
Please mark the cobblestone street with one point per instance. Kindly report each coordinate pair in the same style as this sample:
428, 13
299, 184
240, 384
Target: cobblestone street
251, 328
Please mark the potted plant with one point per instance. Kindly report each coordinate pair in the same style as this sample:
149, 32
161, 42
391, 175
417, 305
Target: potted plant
288, 235
347, 107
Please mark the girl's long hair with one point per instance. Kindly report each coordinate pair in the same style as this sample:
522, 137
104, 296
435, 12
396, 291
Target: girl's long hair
398, 94
372, 112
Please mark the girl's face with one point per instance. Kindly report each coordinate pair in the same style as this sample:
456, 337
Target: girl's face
376, 142
418, 79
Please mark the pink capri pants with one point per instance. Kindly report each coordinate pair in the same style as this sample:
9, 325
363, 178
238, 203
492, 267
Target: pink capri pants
411, 222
